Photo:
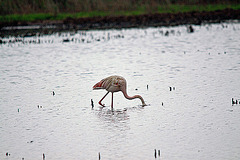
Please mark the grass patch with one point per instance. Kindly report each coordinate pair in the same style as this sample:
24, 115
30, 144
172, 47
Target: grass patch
173, 8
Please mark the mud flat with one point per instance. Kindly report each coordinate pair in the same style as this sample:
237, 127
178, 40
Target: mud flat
118, 22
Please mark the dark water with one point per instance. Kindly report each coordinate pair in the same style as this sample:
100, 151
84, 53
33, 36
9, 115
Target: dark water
196, 121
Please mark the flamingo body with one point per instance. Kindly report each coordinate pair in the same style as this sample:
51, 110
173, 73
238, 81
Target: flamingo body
115, 84
111, 84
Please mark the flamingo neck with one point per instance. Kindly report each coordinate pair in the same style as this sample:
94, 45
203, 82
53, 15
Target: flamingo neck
133, 97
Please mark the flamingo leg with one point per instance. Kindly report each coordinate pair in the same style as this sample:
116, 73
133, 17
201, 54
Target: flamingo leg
100, 102
112, 101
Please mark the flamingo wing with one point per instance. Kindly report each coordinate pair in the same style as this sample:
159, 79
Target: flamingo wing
111, 84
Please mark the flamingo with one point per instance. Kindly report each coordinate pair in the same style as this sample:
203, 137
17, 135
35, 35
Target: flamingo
115, 84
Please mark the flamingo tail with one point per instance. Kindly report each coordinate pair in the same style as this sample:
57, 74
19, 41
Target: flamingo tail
98, 85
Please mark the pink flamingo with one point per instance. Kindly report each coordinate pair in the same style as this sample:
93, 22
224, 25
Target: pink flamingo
115, 84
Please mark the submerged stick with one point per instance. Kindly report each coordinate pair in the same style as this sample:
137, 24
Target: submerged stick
92, 103
233, 101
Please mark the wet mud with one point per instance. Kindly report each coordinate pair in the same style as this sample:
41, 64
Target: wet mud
117, 22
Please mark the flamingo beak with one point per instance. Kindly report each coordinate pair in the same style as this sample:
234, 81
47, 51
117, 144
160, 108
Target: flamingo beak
143, 105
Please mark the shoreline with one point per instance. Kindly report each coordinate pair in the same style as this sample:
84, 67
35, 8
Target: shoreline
119, 22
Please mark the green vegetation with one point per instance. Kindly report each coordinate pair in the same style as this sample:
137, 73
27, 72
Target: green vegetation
25, 10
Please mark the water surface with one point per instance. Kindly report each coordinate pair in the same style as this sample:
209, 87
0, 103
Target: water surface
196, 120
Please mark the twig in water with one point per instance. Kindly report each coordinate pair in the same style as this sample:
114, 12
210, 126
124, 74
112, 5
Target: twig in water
92, 103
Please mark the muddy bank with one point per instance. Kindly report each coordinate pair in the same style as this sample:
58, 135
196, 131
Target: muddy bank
154, 20
118, 22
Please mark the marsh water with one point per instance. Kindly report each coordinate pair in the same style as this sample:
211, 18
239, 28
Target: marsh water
191, 79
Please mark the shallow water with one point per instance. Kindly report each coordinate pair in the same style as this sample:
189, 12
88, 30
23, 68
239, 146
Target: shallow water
196, 121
